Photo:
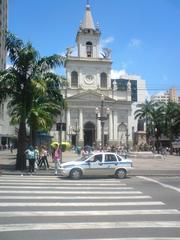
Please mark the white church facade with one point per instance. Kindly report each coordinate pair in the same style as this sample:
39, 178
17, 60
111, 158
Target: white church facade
99, 108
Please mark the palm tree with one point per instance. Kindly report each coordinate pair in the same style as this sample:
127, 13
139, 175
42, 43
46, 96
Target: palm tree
18, 82
145, 112
157, 122
46, 105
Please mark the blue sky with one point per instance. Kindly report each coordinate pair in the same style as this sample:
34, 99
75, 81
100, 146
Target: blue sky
143, 34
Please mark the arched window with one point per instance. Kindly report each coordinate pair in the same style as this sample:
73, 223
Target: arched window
89, 49
103, 80
74, 79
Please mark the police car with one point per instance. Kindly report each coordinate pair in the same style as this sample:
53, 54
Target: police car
97, 164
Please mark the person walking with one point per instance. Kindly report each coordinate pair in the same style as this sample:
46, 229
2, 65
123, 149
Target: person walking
31, 156
36, 149
84, 152
43, 157
57, 158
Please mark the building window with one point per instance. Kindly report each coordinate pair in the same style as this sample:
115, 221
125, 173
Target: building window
89, 49
103, 80
74, 79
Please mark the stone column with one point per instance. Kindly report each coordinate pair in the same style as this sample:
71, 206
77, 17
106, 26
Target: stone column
110, 130
115, 126
129, 125
68, 124
98, 130
81, 129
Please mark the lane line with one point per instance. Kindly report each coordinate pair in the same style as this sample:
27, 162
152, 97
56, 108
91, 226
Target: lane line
162, 184
71, 192
76, 197
58, 179
67, 187
88, 213
141, 238
57, 183
77, 204
89, 225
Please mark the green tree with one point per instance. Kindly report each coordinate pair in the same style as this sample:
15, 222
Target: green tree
18, 83
157, 122
172, 121
145, 112
46, 105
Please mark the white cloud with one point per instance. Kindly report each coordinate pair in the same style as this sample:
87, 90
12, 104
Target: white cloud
106, 41
135, 42
115, 74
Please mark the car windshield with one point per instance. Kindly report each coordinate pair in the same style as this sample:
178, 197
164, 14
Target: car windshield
83, 158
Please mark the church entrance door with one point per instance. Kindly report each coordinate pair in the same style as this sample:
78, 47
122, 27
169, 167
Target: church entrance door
89, 134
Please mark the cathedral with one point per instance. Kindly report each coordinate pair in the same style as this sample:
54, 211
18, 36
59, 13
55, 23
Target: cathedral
99, 108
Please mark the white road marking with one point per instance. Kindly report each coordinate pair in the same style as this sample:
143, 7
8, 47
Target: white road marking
67, 187
162, 184
77, 204
57, 183
57, 179
71, 192
141, 238
88, 213
76, 197
89, 225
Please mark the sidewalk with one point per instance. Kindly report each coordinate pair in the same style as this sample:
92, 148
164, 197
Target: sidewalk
8, 162
167, 165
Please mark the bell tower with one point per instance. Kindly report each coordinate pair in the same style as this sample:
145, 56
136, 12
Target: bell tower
88, 37
89, 69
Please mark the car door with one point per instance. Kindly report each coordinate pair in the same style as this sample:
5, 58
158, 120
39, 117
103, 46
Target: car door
110, 163
94, 165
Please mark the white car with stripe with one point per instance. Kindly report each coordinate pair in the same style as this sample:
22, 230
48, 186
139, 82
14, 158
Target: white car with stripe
97, 164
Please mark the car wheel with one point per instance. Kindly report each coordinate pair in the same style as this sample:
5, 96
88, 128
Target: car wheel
75, 174
121, 173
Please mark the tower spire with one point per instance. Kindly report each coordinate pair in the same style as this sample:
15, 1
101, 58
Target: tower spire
88, 22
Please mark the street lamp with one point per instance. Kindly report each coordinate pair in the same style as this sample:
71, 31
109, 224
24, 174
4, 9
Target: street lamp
103, 117
70, 132
76, 130
127, 139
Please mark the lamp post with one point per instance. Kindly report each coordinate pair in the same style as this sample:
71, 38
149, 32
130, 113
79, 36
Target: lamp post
102, 118
70, 133
127, 139
76, 130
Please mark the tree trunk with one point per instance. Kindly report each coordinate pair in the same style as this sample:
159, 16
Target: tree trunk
21, 147
33, 132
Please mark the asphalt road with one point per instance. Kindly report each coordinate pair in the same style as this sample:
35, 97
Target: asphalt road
49, 208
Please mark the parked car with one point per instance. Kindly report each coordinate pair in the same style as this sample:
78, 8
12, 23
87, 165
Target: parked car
97, 164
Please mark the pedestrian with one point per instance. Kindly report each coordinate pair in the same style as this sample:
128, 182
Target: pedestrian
11, 148
43, 157
31, 156
57, 157
84, 152
36, 158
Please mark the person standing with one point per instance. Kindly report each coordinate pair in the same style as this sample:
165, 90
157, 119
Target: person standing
57, 158
31, 156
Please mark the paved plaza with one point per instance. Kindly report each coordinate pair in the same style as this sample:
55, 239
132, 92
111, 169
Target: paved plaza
153, 165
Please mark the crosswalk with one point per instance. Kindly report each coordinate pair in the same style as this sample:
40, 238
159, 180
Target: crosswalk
87, 209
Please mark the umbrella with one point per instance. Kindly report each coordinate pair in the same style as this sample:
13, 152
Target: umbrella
54, 144
67, 144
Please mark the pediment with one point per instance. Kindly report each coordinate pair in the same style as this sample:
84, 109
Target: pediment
91, 96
